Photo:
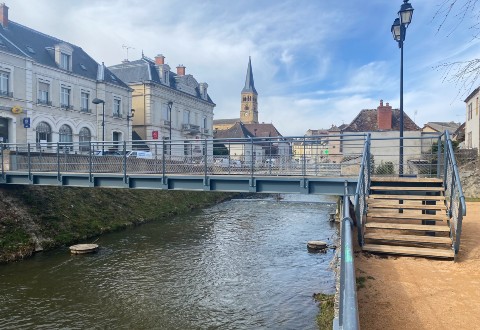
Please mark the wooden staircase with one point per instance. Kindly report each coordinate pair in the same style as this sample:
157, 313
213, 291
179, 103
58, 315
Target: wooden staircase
407, 216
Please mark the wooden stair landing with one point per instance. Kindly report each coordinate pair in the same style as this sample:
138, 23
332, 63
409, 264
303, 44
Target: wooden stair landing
407, 216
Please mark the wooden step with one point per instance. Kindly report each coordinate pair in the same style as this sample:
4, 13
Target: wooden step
380, 205
405, 216
409, 251
408, 238
399, 179
396, 188
406, 197
407, 226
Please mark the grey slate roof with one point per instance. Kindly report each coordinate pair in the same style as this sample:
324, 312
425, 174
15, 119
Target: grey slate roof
19, 40
225, 121
241, 130
249, 83
451, 126
144, 70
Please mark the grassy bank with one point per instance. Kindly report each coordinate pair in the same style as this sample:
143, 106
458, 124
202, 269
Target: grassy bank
35, 218
326, 303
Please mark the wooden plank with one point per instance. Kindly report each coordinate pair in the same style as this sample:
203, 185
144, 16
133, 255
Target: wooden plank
409, 238
406, 197
405, 206
396, 188
405, 216
409, 251
402, 226
398, 179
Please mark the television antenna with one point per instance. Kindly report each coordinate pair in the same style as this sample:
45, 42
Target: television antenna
126, 47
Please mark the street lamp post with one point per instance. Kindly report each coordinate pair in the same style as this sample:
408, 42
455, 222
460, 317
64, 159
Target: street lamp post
98, 101
130, 116
399, 30
170, 105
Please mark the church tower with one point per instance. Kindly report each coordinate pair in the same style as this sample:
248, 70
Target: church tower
249, 106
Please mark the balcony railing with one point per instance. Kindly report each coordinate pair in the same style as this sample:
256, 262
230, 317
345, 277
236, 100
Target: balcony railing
66, 106
166, 122
44, 102
6, 93
191, 129
117, 115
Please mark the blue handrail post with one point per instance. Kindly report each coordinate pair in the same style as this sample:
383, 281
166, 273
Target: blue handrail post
304, 163
29, 163
125, 162
90, 162
205, 159
439, 146
58, 161
164, 150
251, 158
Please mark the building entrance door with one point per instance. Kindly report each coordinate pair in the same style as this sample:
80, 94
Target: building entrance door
3, 130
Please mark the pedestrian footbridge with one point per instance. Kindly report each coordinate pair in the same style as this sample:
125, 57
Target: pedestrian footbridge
407, 197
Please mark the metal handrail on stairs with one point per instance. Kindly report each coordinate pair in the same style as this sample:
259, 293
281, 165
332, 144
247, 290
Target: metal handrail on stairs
361, 194
348, 305
456, 206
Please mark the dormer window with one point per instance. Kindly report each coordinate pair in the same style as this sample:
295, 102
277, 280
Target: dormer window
65, 61
63, 56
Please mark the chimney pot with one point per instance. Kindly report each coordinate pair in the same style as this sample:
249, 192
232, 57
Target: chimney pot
159, 59
384, 116
181, 70
3, 15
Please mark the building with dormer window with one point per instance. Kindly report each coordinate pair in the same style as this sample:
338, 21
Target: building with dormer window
168, 105
46, 90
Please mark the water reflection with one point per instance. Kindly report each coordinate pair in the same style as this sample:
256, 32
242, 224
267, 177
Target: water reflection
238, 265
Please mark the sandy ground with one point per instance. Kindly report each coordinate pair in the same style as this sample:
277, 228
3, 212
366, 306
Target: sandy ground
417, 293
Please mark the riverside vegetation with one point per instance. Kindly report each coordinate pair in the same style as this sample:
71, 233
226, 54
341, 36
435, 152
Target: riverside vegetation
35, 218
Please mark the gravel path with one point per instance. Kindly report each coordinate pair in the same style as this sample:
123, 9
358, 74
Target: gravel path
415, 293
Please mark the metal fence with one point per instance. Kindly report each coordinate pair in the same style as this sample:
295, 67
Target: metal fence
454, 193
363, 187
319, 156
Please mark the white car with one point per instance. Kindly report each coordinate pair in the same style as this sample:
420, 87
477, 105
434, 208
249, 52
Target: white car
140, 154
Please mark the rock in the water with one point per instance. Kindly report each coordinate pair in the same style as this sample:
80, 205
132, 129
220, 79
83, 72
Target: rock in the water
83, 248
317, 245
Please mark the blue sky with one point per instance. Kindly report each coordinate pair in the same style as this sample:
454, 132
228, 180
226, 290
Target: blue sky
315, 63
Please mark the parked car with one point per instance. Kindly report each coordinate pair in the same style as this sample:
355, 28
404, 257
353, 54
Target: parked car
225, 162
106, 153
140, 154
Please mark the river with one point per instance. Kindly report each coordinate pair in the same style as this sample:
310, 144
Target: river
242, 264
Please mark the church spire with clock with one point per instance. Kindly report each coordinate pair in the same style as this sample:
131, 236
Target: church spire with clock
249, 107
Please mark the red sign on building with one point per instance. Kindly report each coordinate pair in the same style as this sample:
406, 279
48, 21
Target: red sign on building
155, 135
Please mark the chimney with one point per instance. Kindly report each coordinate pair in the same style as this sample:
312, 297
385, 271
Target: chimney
3, 15
384, 116
159, 59
181, 70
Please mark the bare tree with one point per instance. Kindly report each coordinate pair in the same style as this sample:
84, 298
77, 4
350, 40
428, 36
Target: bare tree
465, 74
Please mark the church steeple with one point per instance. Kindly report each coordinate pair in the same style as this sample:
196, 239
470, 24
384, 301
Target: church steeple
249, 106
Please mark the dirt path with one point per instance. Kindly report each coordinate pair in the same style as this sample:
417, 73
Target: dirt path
415, 293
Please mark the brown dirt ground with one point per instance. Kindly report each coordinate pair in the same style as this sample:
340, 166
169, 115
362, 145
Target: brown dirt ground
416, 293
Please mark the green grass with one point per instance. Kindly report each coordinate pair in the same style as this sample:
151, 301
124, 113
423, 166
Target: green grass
326, 303
65, 215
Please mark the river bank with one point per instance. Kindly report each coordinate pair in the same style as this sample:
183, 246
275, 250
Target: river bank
36, 218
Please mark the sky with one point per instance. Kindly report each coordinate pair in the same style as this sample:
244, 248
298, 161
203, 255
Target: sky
315, 62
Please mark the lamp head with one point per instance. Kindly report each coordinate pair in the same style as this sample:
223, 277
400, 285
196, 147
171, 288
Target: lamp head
396, 29
405, 13
97, 101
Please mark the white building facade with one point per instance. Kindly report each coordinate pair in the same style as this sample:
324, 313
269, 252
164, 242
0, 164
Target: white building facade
168, 106
46, 92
